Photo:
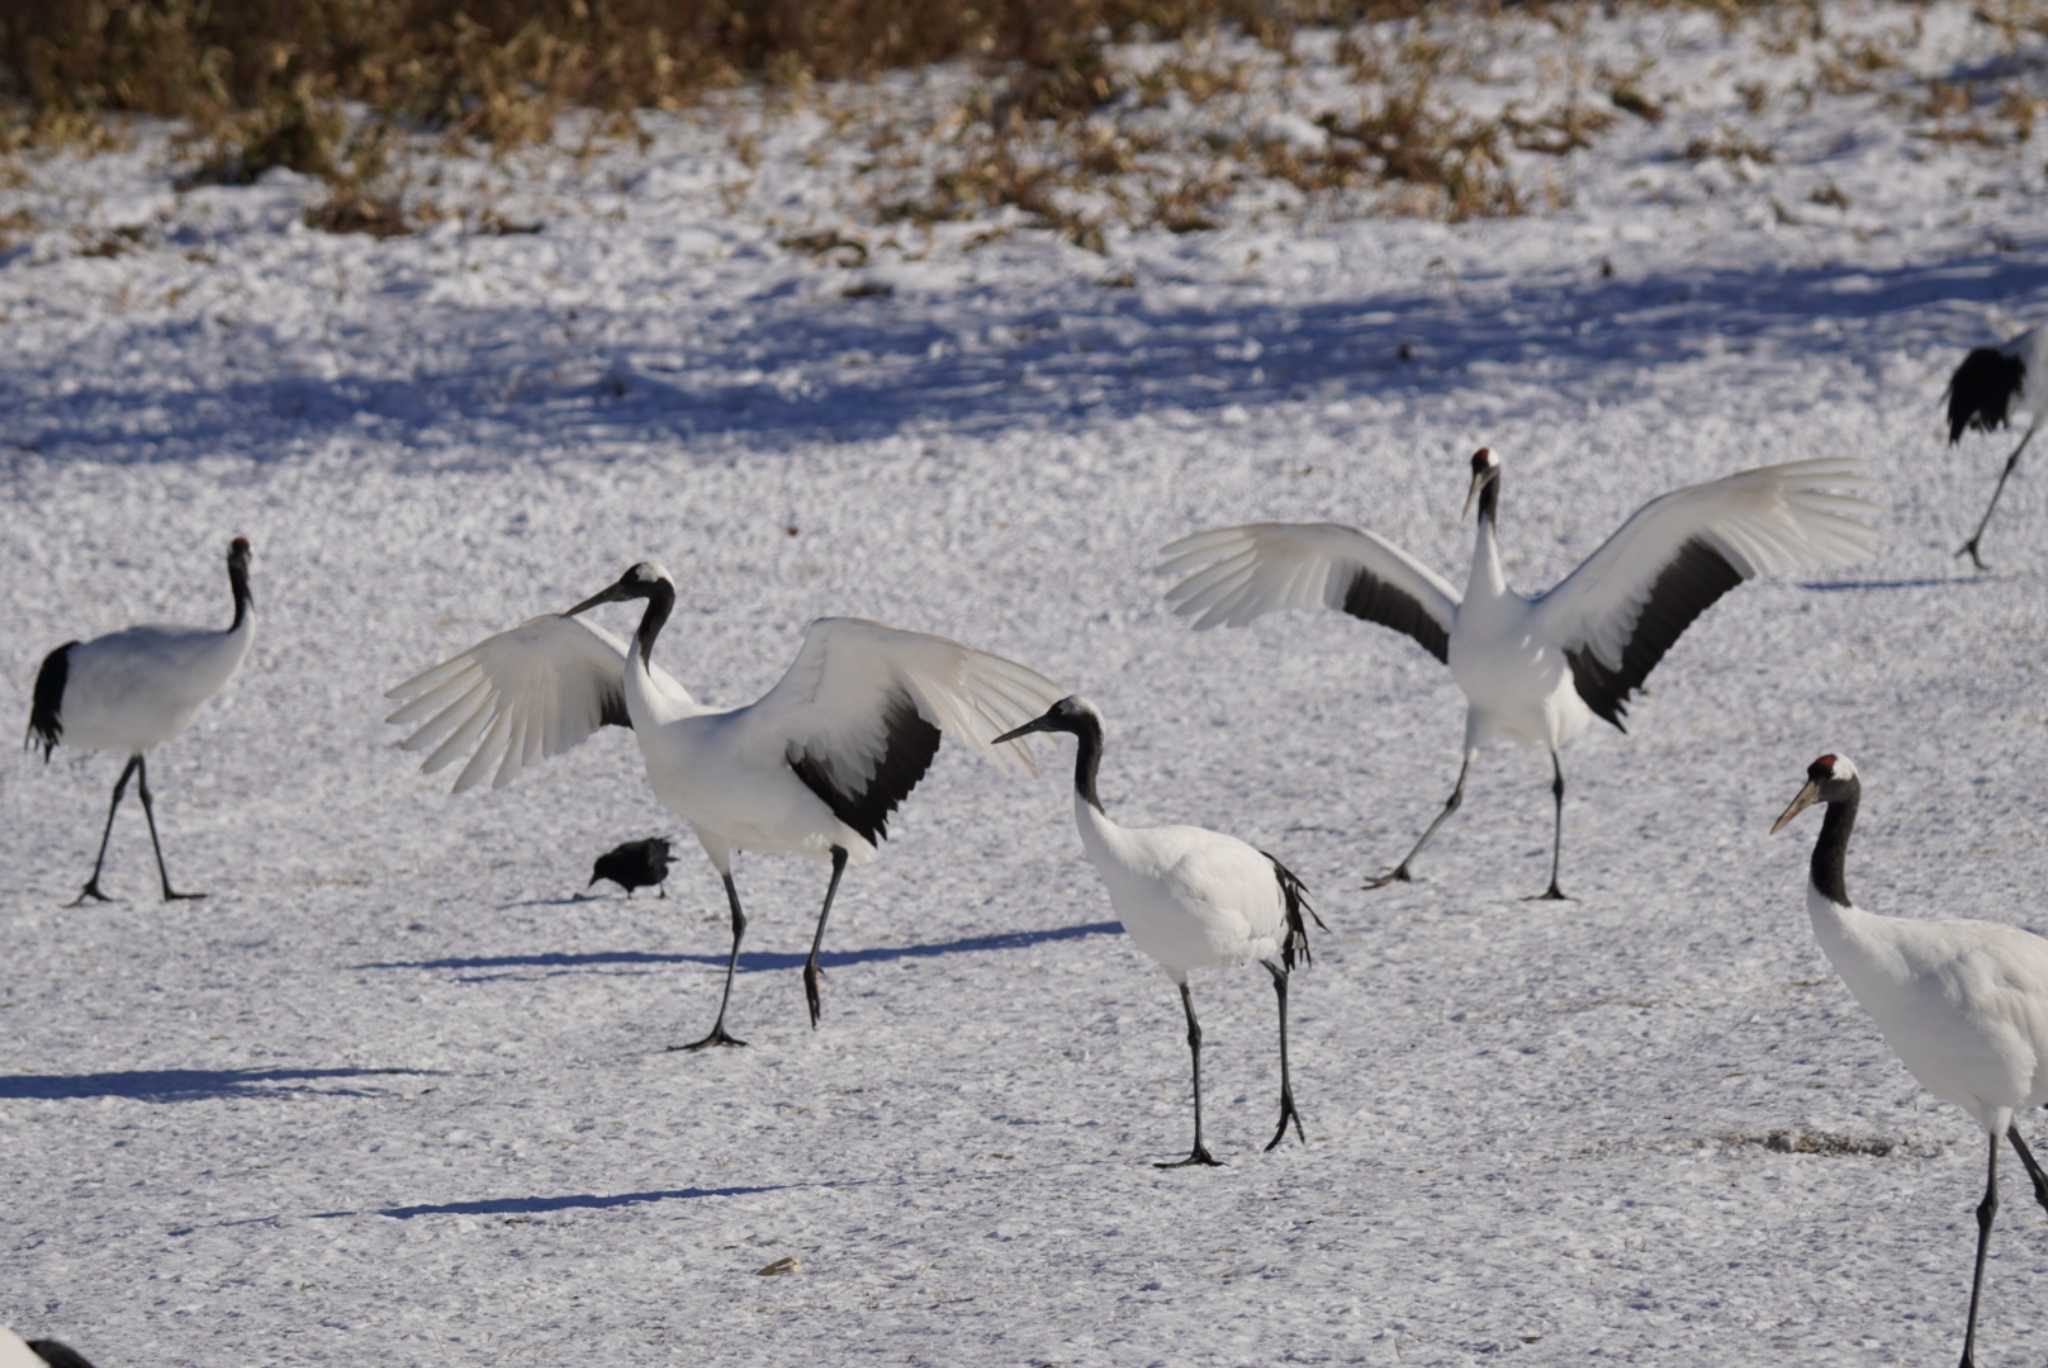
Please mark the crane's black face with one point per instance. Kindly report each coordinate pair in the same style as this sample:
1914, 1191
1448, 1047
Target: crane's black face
637, 583
1070, 714
1485, 473
1830, 779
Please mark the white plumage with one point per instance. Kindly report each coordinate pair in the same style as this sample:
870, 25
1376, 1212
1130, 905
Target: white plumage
1538, 670
1190, 898
1986, 389
135, 689
1964, 1004
814, 766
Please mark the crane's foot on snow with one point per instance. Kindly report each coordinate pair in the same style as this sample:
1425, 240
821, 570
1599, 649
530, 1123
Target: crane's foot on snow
1287, 1113
812, 973
173, 895
717, 1037
1201, 1156
1398, 874
1969, 548
91, 890
1551, 894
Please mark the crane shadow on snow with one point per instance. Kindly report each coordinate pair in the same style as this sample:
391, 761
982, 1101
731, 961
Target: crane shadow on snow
790, 365
194, 1085
755, 961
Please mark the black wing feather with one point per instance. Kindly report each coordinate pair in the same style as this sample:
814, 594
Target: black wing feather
45, 712
1374, 600
1980, 392
58, 1354
908, 745
1687, 587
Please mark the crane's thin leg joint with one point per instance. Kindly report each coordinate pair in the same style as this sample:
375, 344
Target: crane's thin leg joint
2033, 1169
1201, 1153
718, 1035
811, 971
149, 811
1399, 873
1554, 893
1287, 1111
1970, 547
1986, 1209
92, 885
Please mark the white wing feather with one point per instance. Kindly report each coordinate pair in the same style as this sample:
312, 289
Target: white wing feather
1775, 520
517, 698
1235, 574
834, 698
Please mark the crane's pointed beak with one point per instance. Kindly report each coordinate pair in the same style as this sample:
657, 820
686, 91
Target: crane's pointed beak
1479, 479
610, 594
1037, 724
1808, 796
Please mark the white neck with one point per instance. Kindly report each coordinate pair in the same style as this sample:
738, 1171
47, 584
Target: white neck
1487, 579
1857, 944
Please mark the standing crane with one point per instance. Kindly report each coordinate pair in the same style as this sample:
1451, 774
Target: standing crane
1963, 1004
132, 691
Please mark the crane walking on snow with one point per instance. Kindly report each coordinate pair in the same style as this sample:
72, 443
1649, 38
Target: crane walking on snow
1963, 1004
1191, 899
1539, 670
813, 767
132, 691
1986, 388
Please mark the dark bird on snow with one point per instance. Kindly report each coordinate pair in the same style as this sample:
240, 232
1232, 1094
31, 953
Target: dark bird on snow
636, 864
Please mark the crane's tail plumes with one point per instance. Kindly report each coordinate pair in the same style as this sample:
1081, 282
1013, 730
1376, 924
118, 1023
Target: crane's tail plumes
46, 705
1295, 894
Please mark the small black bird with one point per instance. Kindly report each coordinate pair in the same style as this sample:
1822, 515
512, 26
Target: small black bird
636, 864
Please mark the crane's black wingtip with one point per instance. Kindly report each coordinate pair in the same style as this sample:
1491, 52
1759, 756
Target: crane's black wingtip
1981, 392
58, 1354
1295, 895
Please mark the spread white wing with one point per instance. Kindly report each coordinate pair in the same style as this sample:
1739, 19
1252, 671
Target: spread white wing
1617, 614
519, 697
860, 711
1235, 574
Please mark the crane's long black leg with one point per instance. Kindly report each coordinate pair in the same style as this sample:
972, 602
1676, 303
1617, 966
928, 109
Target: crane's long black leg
1287, 1111
1399, 873
2033, 1169
1986, 1209
739, 929
811, 970
1201, 1153
149, 811
1970, 546
92, 885
1554, 893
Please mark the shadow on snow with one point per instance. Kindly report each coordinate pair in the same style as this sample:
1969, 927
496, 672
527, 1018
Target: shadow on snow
787, 365
756, 961
191, 1085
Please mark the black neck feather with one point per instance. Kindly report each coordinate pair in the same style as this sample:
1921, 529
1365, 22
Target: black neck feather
1832, 849
661, 600
1088, 731
1489, 501
238, 580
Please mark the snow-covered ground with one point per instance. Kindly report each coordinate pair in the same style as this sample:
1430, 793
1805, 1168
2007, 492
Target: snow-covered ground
397, 1091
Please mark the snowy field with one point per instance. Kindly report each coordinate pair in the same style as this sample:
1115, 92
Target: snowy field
397, 1091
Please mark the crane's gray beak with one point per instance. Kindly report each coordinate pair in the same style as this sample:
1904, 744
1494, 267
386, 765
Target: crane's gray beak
1035, 725
1808, 796
1479, 479
610, 594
